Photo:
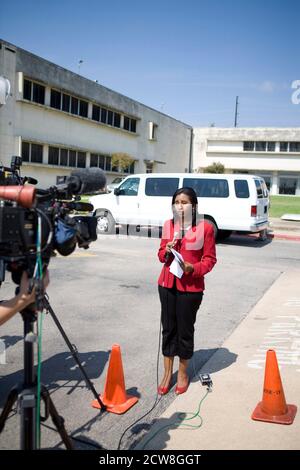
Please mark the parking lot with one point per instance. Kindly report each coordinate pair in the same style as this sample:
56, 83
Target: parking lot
108, 294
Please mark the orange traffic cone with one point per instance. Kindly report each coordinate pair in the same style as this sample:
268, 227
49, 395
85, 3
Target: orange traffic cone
273, 407
114, 397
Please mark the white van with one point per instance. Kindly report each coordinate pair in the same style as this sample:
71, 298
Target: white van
229, 201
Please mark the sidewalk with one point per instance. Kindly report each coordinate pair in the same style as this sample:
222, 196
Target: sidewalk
281, 230
284, 229
274, 323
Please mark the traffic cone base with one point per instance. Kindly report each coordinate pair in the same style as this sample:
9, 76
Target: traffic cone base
114, 396
273, 407
117, 409
287, 418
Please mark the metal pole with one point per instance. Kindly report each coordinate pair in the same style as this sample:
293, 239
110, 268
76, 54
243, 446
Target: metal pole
236, 111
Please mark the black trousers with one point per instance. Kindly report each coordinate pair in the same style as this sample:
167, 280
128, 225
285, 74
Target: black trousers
178, 316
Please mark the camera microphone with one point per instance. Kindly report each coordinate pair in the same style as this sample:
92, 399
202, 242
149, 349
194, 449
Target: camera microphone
87, 180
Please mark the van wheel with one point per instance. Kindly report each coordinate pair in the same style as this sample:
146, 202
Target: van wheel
223, 234
105, 222
214, 226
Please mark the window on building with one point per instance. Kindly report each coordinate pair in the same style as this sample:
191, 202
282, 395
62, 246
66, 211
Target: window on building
149, 167
294, 146
74, 105
126, 125
83, 108
38, 93
96, 113
36, 153
25, 151
81, 159
131, 168
152, 131
287, 185
94, 160
284, 146
248, 145
241, 189
33, 91
260, 146
72, 158
53, 156
207, 187
32, 152
27, 88
132, 125
100, 161
129, 124
115, 167
66, 103
271, 146
107, 163
117, 119
63, 160
109, 117
55, 99
103, 115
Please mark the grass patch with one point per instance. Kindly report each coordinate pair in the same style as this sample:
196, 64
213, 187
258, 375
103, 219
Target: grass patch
284, 205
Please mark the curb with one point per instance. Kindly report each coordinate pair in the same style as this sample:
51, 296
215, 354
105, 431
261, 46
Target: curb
283, 236
272, 236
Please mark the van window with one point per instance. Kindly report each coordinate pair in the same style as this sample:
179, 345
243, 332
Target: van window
207, 187
265, 189
259, 189
161, 186
130, 187
241, 188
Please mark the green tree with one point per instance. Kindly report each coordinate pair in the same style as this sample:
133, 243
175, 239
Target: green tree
122, 160
215, 167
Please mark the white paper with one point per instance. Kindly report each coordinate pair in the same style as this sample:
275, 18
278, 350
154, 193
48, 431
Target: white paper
175, 267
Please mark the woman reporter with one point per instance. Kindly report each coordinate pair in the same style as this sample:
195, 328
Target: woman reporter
181, 297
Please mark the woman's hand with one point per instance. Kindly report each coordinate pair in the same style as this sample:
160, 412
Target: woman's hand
170, 245
187, 267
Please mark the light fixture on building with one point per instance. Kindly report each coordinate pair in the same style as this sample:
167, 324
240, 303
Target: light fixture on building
79, 65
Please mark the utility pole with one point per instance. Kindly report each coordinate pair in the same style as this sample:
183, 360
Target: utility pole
236, 111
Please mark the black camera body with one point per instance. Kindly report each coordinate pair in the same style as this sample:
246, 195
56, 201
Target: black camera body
52, 214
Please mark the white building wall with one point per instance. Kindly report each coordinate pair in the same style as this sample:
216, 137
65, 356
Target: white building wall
20, 119
212, 145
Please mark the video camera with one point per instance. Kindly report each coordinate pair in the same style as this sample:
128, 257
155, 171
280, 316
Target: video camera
39, 221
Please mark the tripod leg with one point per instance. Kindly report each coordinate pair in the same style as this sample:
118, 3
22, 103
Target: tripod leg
58, 420
11, 399
74, 354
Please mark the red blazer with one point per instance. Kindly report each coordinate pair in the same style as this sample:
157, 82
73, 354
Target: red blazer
196, 247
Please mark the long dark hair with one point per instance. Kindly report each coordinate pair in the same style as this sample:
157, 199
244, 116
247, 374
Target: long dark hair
194, 201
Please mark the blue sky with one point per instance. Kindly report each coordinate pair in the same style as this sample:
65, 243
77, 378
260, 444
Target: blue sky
188, 59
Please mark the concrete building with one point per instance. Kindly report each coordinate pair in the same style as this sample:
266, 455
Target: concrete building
58, 120
273, 153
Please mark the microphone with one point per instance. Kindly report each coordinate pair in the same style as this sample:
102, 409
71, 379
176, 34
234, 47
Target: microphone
87, 180
173, 241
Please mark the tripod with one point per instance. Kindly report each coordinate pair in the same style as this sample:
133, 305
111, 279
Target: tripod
26, 393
